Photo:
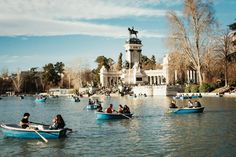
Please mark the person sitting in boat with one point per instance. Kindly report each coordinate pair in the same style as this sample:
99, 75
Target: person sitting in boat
97, 101
99, 108
173, 104
197, 104
126, 109
110, 109
120, 109
190, 104
58, 123
24, 123
90, 102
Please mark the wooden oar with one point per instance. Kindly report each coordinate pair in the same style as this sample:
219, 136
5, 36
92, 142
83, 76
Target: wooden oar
45, 140
125, 116
40, 123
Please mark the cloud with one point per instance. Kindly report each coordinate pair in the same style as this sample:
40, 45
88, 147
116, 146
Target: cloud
59, 17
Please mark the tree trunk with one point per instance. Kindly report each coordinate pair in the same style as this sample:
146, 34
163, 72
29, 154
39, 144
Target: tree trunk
199, 75
226, 74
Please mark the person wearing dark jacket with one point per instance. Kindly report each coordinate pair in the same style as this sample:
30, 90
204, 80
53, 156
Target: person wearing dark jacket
24, 123
58, 123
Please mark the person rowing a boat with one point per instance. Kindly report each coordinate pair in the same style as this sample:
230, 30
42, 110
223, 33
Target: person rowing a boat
24, 123
99, 108
58, 123
91, 102
173, 104
110, 109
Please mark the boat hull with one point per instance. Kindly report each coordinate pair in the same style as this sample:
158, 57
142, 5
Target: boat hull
40, 100
187, 97
13, 130
107, 116
187, 110
92, 107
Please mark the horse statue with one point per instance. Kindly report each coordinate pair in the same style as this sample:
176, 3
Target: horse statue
132, 31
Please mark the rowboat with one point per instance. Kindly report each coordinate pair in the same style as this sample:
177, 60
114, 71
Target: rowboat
92, 107
186, 110
106, 116
182, 97
16, 131
40, 99
196, 96
75, 99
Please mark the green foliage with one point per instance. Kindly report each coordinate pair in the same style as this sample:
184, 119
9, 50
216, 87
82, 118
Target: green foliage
147, 63
153, 59
194, 88
52, 73
103, 61
187, 89
206, 87
5, 85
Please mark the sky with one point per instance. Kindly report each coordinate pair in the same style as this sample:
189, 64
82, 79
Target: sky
37, 32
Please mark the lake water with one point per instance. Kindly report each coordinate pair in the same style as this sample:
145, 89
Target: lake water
151, 132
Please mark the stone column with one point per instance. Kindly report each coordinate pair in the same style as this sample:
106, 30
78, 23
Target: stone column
154, 77
187, 76
176, 76
190, 75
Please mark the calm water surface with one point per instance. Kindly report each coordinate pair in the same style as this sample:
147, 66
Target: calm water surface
151, 132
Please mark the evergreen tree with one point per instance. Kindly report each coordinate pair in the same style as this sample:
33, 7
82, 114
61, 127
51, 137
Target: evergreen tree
119, 62
52, 73
153, 59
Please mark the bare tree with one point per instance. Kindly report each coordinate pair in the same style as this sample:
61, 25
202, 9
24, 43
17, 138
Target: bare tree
17, 81
179, 63
73, 78
224, 48
77, 73
190, 34
4, 72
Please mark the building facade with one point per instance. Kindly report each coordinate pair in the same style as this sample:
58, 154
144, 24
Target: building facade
134, 74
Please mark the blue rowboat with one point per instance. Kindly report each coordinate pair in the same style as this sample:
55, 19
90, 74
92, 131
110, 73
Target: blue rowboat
40, 99
196, 96
16, 131
187, 97
187, 110
92, 107
181, 97
106, 116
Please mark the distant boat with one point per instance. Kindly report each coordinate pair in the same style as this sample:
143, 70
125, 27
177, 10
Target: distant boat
75, 99
182, 97
107, 116
40, 99
196, 96
91, 106
186, 110
14, 130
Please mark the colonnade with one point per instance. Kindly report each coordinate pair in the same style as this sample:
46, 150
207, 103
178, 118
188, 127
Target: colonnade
192, 76
155, 80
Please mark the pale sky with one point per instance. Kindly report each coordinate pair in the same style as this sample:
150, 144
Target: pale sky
37, 32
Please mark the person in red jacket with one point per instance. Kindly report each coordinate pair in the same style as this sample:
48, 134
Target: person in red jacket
110, 109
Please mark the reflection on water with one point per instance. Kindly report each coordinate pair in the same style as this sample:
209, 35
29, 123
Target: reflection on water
151, 132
